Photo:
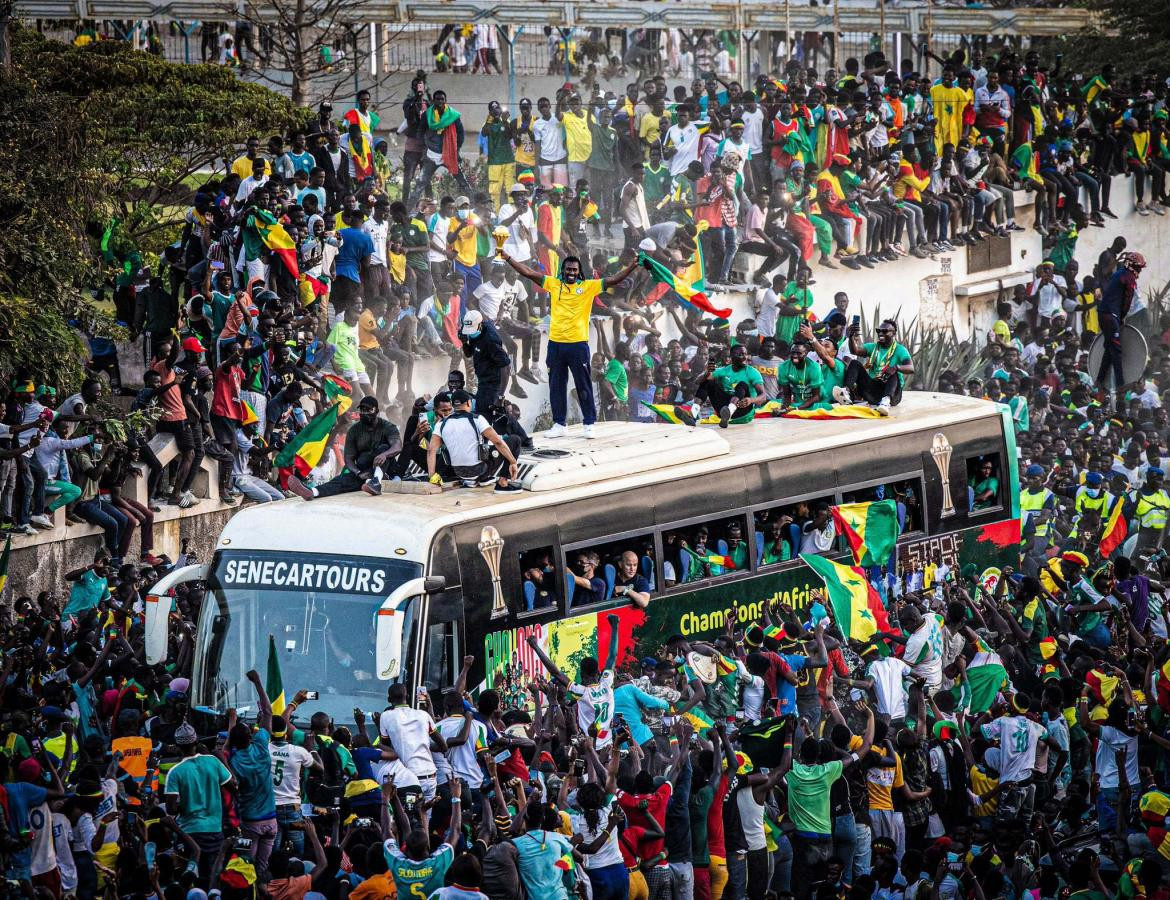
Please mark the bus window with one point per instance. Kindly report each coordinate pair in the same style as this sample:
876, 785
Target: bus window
781, 530
983, 482
906, 492
705, 550
538, 581
624, 568
442, 657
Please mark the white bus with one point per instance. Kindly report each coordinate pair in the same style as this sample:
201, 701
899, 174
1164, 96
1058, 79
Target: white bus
360, 591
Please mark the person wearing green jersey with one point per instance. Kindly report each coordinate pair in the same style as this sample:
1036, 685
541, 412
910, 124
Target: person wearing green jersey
734, 390
416, 870
799, 379
879, 370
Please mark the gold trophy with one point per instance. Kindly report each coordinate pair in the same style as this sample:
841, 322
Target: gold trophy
941, 449
501, 235
491, 545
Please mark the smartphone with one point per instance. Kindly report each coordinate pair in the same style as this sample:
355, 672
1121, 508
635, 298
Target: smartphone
857, 321
148, 852
503, 756
578, 767
311, 695
216, 265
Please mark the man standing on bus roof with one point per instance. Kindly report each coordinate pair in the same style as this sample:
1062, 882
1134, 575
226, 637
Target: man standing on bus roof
370, 444
572, 301
878, 372
594, 693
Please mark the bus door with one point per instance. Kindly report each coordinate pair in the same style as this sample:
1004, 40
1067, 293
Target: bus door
442, 643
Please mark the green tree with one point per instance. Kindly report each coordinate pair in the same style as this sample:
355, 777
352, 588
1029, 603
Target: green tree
1134, 36
94, 133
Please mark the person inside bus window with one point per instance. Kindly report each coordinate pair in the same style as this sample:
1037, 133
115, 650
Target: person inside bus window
777, 548
630, 583
985, 488
737, 548
693, 557
590, 587
819, 532
537, 569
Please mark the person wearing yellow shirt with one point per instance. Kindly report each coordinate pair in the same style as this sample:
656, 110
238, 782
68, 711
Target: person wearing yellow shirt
578, 137
949, 101
242, 165
650, 127
571, 297
462, 244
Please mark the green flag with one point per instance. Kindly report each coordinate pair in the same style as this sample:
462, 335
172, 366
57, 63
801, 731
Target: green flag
274, 684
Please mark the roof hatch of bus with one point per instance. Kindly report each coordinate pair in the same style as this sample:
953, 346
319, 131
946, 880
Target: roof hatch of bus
620, 448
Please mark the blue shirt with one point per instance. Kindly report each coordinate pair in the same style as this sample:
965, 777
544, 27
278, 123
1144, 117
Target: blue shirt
301, 162
23, 797
539, 851
356, 246
87, 592
253, 769
628, 702
785, 690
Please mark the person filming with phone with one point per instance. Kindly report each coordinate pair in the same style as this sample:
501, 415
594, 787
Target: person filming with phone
878, 372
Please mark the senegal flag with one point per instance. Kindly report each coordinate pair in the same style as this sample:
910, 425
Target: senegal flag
1116, 530
674, 413
276, 239
857, 607
1093, 88
689, 293
701, 722
274, 684
855, 411
305, 450
4, 560
871, 529
337, 390
1025, 161
986, 677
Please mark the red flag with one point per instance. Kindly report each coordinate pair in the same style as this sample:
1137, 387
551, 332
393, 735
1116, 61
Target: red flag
1116, 530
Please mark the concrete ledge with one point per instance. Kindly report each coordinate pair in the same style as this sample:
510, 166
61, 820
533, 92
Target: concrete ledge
991, 285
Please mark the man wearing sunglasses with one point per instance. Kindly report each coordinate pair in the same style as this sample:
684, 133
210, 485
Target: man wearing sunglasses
878, 372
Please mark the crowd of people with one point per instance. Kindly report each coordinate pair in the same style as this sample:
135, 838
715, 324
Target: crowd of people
999, 740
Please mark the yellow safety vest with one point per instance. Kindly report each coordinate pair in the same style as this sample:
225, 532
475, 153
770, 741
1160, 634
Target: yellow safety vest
1152, 508
1031, 504
1098, 504
56, 746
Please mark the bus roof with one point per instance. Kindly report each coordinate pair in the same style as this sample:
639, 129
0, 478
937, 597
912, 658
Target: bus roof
624, 455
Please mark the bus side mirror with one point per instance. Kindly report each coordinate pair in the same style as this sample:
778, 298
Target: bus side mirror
435, 584
158, 609
390, 623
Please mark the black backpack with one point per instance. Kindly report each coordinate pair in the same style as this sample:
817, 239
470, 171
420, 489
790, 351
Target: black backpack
326, 788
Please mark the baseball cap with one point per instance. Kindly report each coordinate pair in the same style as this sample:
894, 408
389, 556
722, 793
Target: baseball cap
472, 322
463, 200
192, 345
518, 188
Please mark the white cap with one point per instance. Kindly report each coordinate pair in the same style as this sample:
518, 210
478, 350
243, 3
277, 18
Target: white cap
647, 245
472, 322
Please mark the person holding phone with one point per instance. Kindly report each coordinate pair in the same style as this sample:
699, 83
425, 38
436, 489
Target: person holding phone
879, 370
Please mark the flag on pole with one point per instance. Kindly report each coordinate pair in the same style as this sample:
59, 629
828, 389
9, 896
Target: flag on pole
4, 559
1116, 530
305, 450
276, 239
857, 607
274, 684
870, 529
692, 295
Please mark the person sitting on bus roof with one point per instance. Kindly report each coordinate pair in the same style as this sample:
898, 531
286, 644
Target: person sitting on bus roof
590, 587
734, 390
370, 444
879, 371
466, 437
630, 582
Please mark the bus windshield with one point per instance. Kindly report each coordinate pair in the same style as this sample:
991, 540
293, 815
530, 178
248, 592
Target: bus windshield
320, 612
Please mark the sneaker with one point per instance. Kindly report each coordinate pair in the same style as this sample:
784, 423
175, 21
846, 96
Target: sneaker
512, 487
864, 260
842, 397
883, 407
557, 431
684, 415
41, 521
157, 503
150, 559
373, 487
851, 262
1142, 209
527, 375
518, 392
724, 416
1158, 208
24, 529
920, 252
590, 432
299, 488
827, 263
1106, 211
948, 246
187, 500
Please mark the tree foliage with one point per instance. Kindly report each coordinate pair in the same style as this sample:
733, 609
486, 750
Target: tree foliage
93, 133
1135, 37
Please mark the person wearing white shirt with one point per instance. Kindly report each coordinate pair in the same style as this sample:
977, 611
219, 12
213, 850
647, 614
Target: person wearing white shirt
681, 144
466, 739
490, 294
411, 733
289, 761
249, 184
517, 217
769, 308
553, 156
1048, 290
377, 226
889, 686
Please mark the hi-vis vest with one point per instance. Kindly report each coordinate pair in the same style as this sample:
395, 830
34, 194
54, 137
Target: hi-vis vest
1152, 508
1031, 504
57, 747
1099, 504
